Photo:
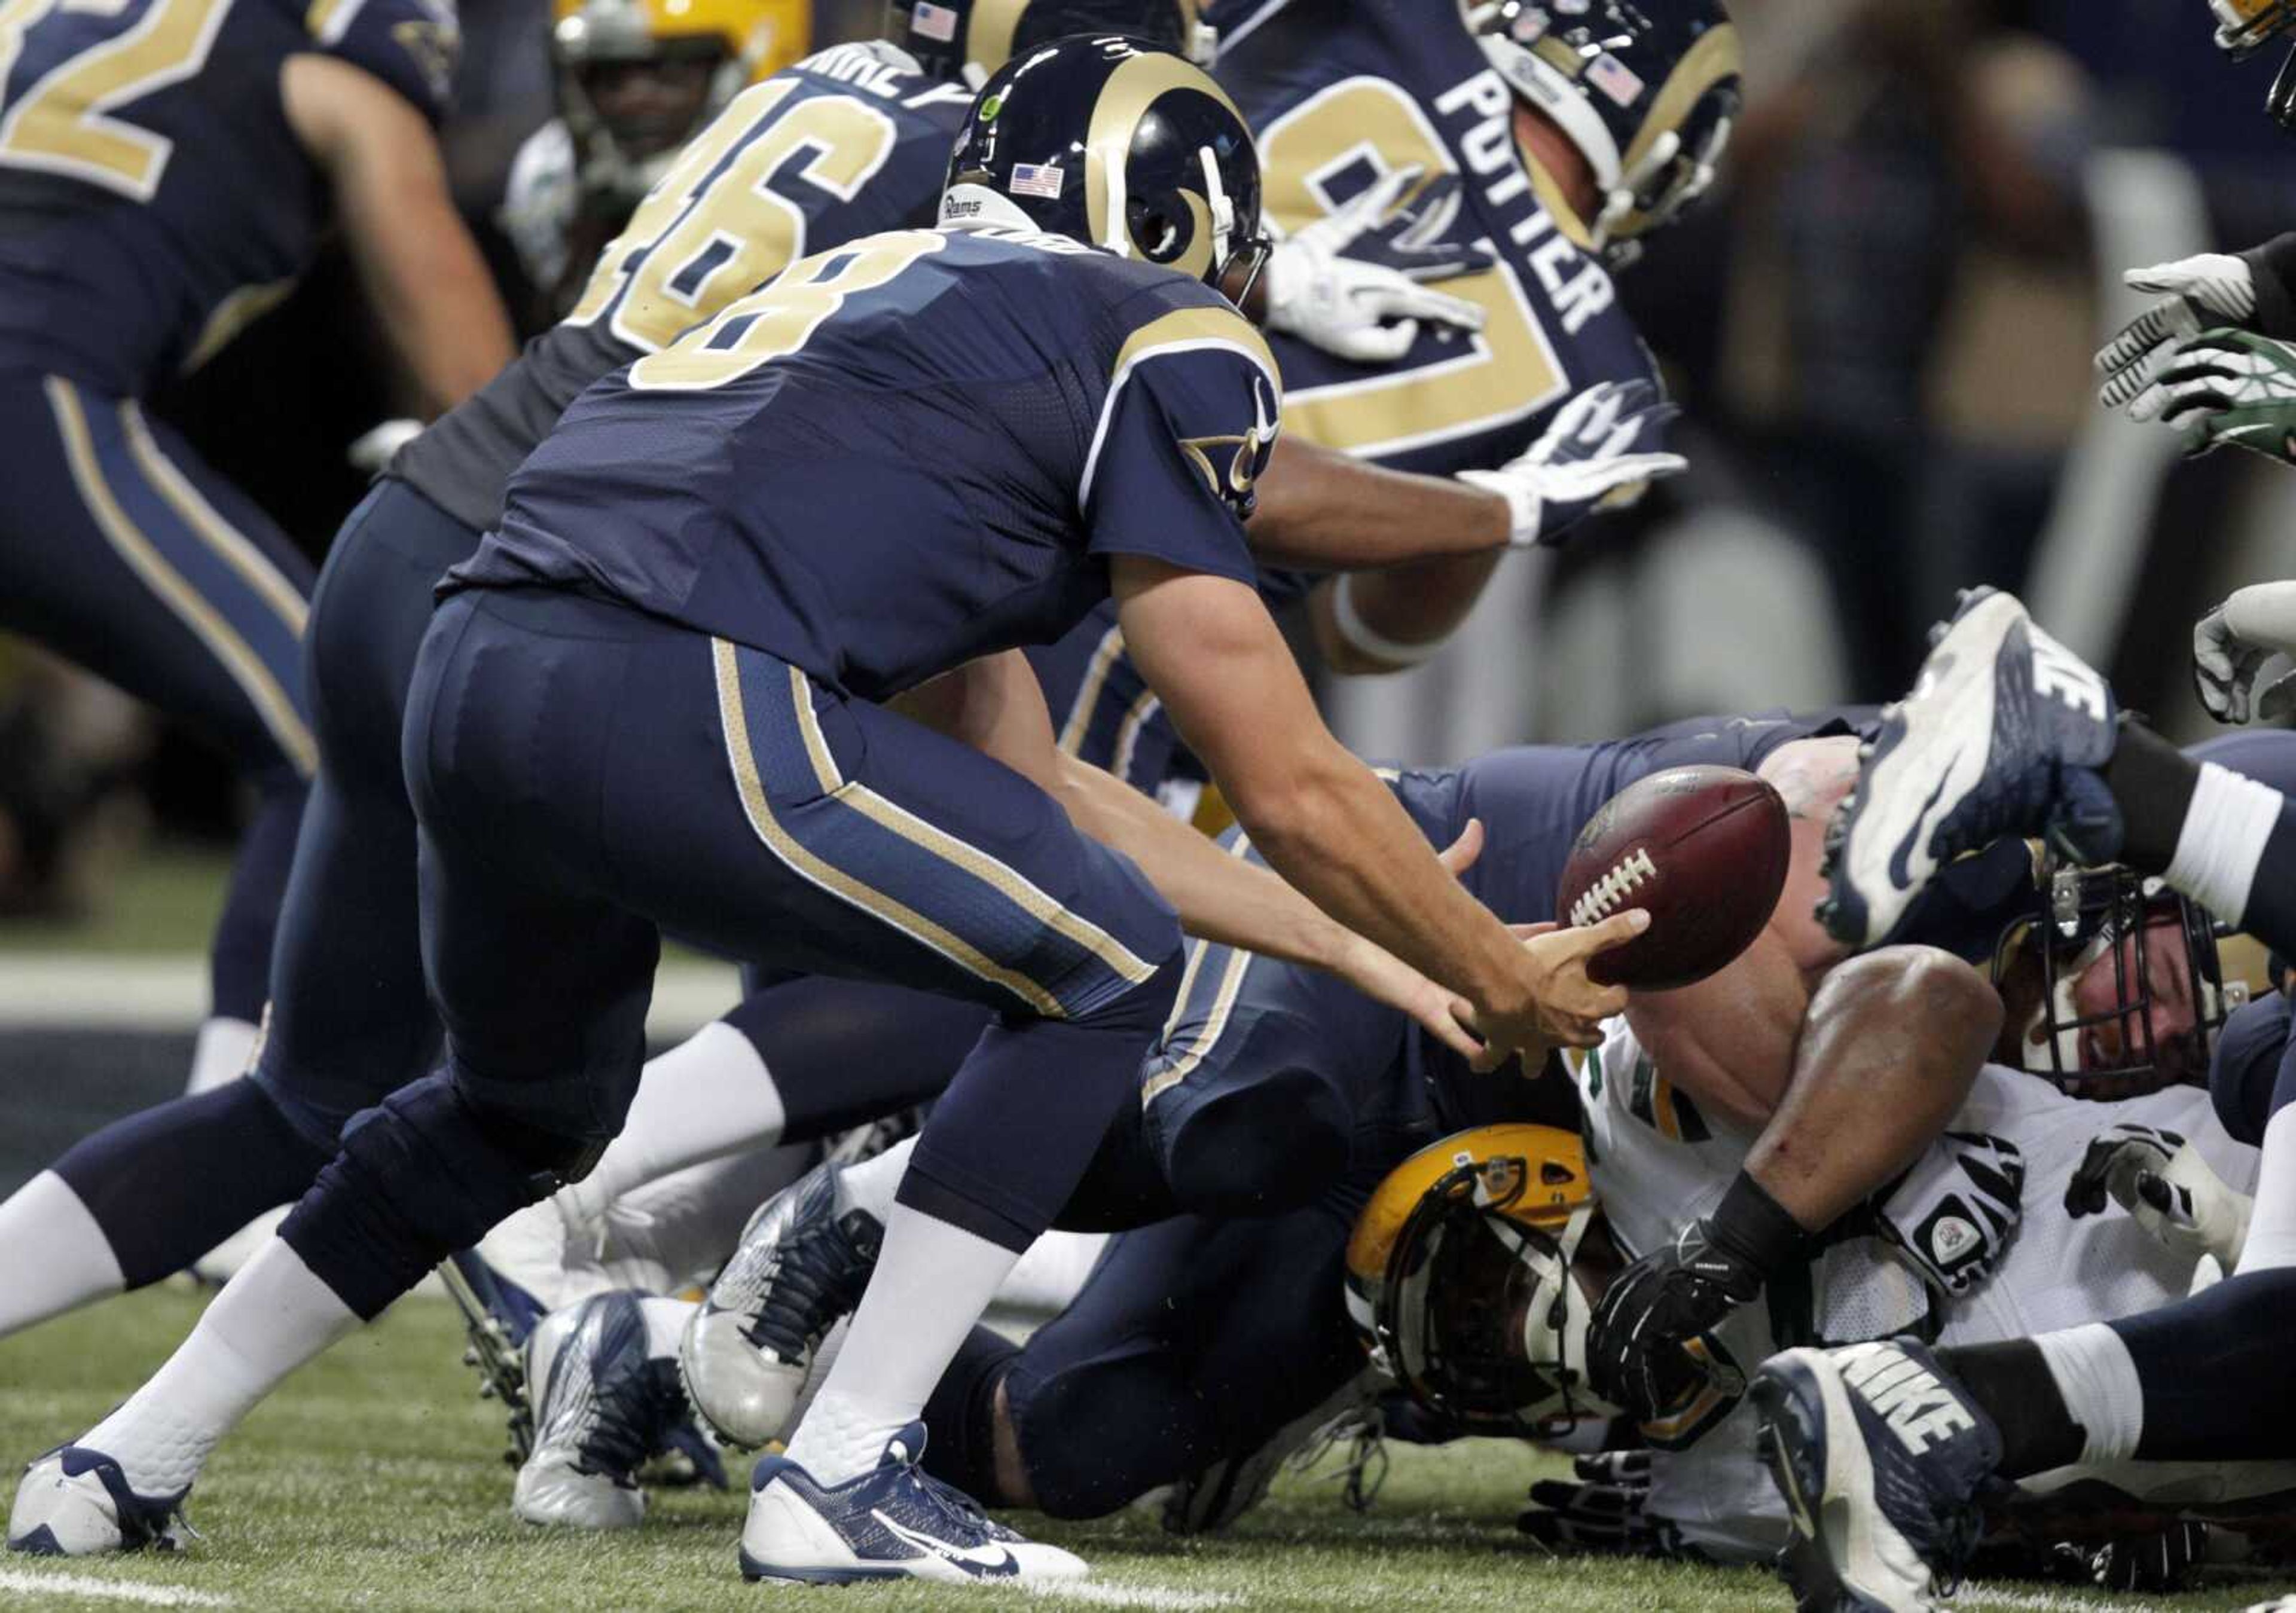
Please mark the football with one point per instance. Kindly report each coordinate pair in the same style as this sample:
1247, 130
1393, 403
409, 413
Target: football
1703, 849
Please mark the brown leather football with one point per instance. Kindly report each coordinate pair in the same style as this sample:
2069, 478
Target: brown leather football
1704, 849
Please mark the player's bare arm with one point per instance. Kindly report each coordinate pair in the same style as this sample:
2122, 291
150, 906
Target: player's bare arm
997, 706
1209, 648
1323, 511
431, 290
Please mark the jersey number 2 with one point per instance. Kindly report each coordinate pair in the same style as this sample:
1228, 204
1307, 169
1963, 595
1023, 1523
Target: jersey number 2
62, 124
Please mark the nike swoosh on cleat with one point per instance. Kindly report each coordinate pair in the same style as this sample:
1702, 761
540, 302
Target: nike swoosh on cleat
1902, 854
980, 1560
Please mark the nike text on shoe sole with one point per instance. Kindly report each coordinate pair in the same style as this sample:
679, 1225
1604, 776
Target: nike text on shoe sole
1818, 1460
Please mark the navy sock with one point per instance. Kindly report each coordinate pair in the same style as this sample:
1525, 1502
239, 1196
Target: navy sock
2215, 1371
2013, 1383
238, 959
168, 1184
2151, 782
960, 1416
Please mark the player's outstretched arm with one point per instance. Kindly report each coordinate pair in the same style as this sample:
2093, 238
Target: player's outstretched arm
422, 271
1208, 647
997, 706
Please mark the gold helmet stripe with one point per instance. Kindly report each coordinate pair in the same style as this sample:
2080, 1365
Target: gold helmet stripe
1124, 101
1712, 59
989, 36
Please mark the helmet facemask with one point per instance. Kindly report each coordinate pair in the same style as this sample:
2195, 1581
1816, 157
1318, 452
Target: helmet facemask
2154, 946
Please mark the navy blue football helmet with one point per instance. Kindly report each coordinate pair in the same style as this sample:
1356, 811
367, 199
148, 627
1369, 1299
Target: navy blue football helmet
1120, 144
970, 39
1646, 90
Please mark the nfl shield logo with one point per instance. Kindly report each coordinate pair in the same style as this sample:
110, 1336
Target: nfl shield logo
1036, 179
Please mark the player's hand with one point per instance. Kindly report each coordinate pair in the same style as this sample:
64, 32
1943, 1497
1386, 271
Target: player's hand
1600, 1514
1384, 977
2166, 1187
2158, 1562
1635, 1341
1554, 1004
1601, 443
2212, 288
2227, 385
2230, 644
1351, 282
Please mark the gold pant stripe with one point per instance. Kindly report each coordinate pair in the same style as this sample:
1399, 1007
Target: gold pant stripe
834, 881
234, 547
1088, 697
246, 667
1231, 984
1128, 733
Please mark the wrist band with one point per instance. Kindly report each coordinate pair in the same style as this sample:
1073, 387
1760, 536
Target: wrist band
1361, 636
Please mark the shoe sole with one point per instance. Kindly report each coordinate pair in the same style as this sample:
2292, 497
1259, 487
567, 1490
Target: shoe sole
1827, 1484
760, 1573
1917, 741
500, 1362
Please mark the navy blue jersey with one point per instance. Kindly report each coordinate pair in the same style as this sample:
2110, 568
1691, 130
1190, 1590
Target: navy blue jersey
904, 453
1338, 92
152, 197
846, 143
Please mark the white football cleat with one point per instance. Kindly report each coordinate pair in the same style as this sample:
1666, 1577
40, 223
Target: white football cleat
893, 1522
75, 1502
804, 1259
602, 1406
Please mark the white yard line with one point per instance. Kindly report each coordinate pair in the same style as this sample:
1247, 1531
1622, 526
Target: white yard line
1110, 1593
32, 1583
2049, 1602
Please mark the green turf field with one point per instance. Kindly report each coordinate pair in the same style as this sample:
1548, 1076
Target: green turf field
372, 1482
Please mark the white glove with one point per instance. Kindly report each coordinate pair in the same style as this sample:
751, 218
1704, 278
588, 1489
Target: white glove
2230, 644
2165, 1185
1342, 304
1583, 458
2211, 289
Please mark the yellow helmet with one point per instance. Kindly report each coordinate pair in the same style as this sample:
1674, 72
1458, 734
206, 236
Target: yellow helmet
1459, 1279
638, 78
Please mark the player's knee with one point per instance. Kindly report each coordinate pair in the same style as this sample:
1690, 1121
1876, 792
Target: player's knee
1920, 988
2245, 1074
1275, 1144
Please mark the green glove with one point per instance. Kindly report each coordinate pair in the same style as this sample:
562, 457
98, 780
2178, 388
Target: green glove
2231, 385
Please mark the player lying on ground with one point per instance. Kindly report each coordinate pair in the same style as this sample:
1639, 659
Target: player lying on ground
2007, 732
892, 846
349, 1022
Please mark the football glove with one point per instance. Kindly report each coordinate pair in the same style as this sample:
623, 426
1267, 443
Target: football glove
2163, 1181
1954, 1212
2213, 289
2158, 1562
2227, 385
1636, 1339
1600, 1514
1593, 452
1351, 282
2230, 646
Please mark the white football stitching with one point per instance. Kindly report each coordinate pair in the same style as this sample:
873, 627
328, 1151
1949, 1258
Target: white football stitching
1609, 891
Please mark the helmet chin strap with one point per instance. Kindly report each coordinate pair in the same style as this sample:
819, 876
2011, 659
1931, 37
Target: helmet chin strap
1223, 209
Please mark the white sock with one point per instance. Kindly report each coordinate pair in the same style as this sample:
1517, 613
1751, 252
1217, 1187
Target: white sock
269, 1320
2103, 1392
674, 1231
226, 1047
932, 1283
53, 1256
2222, 840
871, 1183
707, 1097
1052, 1274
666, 1321
2272, 1225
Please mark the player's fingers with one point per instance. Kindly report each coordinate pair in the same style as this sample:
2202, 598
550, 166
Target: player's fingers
1616, 930
1460, 855
1641, 467
1381, 195
1375, 344
1408, 298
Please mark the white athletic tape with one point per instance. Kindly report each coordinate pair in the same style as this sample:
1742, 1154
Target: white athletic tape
111, 1590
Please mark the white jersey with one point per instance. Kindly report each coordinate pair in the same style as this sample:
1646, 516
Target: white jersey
1658, 1163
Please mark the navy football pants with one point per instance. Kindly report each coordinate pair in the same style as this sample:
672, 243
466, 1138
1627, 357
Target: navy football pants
121, 551
585, 776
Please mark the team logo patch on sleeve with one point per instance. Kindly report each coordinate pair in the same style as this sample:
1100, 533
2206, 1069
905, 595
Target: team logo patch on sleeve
1231, 465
